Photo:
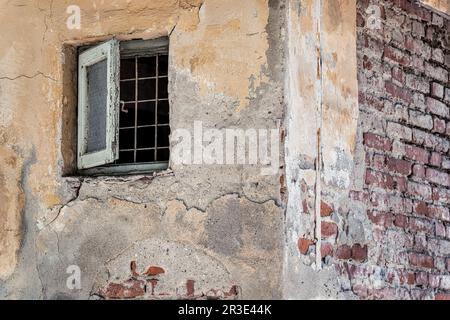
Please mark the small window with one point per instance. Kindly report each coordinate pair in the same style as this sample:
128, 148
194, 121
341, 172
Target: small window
123, 108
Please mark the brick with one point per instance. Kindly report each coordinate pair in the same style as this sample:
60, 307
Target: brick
329, 229
421, 208
384, 219
398, 92
433, 281
397, 131
303, 245
398, 76
437, 73
379, 179
419, 190
154, 271
445, 282
437, 90
401, 221
420, 225
418, 29
439, 125
421, 260
438, 212
359, 253
417, 83
421, 279
442, 296
377, 142
413, 9
437, 55
396, 56
420, 119
399, 166
326, 249
417, 154
127, 290
436, 159
343, 252
419, 171
325, 209
439, 229
436, 107
438, 177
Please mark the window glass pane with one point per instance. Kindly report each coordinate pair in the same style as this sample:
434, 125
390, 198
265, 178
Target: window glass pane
147, 67
147, 89
146, 137
163, 133
146, 113
162, 88
126, 157
127, 115
127, 69
127, 90
97, 90
163, 64
163, 112
126, 139
145, 156
163, 154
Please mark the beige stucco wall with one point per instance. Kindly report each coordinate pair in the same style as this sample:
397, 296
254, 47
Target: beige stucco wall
440, 5
222, 224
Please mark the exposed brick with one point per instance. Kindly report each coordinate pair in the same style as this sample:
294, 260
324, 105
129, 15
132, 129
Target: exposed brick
420, 119
436, 107
419, 171
329, 229
437, 90
303, 245
344, 252
398, 131
359, 253
438, 177
127, 290
401, 221
396, 56
377, 142
398, 92
442, 296
417, 83
421, 260
400, 166
325, 209
326, 249
417, 154
436, 159
437, 73
420, 190
379, 179
439, 125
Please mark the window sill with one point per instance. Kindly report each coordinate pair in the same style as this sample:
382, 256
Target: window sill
126, 170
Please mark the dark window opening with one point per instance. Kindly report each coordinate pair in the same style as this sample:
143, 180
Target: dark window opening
144, 110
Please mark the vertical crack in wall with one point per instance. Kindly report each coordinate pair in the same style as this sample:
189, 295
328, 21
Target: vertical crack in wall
319, 110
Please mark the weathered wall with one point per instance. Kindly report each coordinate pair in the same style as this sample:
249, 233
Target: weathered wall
386, 237
359, 209
321, 122
215, 230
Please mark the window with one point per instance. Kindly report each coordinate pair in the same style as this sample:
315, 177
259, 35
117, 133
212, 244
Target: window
123, 107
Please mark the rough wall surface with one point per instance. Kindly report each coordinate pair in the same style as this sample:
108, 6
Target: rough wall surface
359, 209
192, 231
386, 235
403, 72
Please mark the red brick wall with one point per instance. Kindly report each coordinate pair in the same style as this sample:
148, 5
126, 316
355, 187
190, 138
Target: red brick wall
404, 98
